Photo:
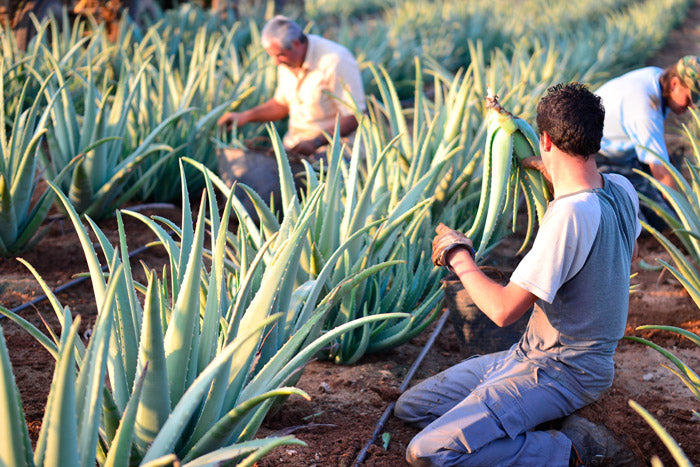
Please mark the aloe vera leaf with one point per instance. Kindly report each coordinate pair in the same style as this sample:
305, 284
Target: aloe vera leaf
182, 332
683, 332
276, 285
682, 367
190, 400
218, 433
98, 282
280, 366
60, 422
154, 404
673, 447
258, 448
16, 445
91, 379
237, 206
287, 189
120, 447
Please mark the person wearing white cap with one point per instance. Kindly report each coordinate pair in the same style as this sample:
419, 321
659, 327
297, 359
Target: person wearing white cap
636, 107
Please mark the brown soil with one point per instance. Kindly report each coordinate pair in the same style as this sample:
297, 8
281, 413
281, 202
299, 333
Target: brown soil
348, 401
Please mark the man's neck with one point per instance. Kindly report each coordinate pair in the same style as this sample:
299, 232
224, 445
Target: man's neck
304, 53
572, 174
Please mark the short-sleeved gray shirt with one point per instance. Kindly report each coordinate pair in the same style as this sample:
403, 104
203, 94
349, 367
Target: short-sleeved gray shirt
579, 268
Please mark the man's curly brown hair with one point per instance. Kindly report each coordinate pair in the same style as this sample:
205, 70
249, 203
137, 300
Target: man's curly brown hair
573, 118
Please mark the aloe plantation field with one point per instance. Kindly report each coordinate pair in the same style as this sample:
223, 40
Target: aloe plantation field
149, 318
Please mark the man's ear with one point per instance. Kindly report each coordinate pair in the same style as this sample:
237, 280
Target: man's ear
675, 81
545, 142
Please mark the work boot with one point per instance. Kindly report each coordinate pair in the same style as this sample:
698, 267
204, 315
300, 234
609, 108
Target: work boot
594, 445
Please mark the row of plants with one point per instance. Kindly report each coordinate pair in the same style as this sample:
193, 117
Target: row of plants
680, 240
193, 371
332, 263
128, 110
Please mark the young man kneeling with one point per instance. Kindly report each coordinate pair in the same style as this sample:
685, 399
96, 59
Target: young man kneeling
484, 410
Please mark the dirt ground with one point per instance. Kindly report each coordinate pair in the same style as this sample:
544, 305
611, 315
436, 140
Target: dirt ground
348, 401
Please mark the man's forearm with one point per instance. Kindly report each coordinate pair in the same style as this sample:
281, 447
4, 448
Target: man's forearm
502, 304
662, 174
269, 111
346, 125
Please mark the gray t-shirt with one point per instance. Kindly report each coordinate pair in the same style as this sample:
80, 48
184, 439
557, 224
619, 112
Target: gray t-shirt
579, 268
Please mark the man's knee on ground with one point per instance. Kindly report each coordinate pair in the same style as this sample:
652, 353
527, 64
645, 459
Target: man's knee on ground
406, 408
420, 450
401, 409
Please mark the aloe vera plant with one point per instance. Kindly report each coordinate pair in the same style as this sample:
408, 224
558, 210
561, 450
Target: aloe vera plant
177, 80
684, 372
71, 425
98, 183
20, 219
190, 374
379, 221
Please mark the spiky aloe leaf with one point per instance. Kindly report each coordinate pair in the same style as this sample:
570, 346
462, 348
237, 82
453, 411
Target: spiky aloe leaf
172, 429
30, 230
182, 334
8, 218
91, 379
98, 281
694, 338
154, 405
217, 434
241, 212
281, 366
15, 446
59, 429
673, 447
120, 448
689, 375
81, 190
288, 192
257, 448
51, 347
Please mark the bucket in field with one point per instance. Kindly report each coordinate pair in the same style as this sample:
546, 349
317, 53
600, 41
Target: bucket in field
256, 169
476, 333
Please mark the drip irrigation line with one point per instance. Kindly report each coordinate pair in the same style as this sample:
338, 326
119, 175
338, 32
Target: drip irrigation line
404, 385
69, 284
80, 279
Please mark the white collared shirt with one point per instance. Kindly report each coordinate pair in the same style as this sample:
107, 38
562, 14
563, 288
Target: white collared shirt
327, 84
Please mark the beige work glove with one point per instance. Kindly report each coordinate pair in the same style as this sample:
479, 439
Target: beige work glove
445, 241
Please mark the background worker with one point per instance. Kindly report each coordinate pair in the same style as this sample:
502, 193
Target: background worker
485, 410
317, 81
636, 107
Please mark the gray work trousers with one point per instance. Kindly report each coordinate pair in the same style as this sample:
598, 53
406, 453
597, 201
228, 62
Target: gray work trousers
480, 411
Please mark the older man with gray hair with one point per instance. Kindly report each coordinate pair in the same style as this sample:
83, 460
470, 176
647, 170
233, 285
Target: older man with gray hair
317, 82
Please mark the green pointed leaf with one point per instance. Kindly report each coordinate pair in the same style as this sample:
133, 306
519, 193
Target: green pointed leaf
154, 406
15, 446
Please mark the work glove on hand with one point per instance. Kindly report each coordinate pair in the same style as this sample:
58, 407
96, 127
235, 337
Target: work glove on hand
446, 240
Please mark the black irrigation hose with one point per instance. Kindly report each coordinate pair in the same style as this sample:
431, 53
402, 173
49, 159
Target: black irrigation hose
69, 284
406, 381
77, 281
